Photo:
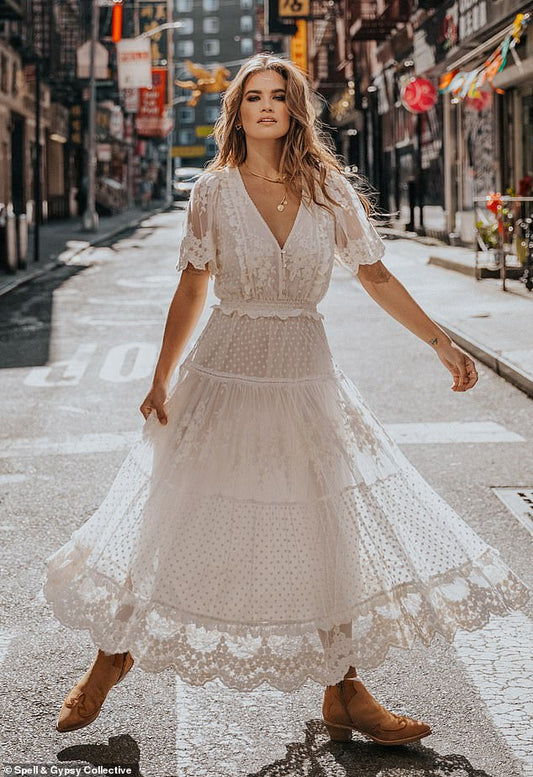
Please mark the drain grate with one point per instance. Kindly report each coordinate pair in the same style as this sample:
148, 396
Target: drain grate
520, 502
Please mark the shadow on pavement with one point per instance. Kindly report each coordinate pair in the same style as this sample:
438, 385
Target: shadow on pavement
26, 319
318, 756
113, 241
121, 751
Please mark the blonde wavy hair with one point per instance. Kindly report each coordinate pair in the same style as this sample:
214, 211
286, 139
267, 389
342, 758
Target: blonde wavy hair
307, 156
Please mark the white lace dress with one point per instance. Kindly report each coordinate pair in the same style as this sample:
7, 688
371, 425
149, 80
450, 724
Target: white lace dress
243, 539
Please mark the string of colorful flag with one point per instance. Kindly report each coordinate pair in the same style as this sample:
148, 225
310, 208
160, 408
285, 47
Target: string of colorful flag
468, 83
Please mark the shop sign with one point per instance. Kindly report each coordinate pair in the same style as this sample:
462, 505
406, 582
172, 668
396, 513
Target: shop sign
472, 17
75, 125
116, 123
204, 130
188, 151
134, 63
130, 100
151, 15
152, 119
299, 45
292, 9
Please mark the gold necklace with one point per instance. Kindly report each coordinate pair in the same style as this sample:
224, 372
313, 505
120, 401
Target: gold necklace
264, 177
281, 205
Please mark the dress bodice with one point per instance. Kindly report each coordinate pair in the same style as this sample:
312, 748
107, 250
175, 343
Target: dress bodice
225, 232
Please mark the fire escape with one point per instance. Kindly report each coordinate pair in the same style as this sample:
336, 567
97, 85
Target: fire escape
375, 20
56, 33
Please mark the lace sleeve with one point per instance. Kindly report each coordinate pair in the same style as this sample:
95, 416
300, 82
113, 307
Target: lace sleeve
198, 244
356, 239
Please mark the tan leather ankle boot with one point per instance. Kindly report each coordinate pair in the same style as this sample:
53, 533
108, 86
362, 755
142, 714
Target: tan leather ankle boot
350, 706
84, 701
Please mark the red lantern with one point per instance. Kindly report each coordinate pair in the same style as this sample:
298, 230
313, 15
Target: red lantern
419, 95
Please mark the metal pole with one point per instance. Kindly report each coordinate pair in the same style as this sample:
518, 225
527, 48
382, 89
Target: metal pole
170, 104
37, 168
90, 217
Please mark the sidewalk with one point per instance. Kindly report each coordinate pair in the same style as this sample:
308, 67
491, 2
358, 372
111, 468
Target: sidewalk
61, 241
496, 327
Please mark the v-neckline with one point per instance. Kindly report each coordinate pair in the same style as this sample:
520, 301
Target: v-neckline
254, 206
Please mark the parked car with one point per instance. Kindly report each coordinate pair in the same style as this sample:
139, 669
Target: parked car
184, 178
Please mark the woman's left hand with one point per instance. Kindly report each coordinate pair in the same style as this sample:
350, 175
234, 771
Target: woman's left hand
459, 363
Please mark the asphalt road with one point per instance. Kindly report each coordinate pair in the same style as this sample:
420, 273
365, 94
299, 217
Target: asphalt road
77, 349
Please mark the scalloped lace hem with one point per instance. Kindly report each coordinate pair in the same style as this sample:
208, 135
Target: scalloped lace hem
286, 654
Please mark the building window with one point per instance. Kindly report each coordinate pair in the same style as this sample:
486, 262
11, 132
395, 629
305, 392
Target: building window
187, 27
247, 4
211, 96
210, 5
184, 6
247, 24
186, 115
186, 137
211, 47
184, 48
211, 25
212, 112
247, 46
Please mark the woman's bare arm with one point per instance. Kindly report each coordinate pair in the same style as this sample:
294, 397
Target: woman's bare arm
394, 298
183, 314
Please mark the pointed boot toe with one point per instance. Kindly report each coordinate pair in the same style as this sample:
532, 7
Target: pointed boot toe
349, 706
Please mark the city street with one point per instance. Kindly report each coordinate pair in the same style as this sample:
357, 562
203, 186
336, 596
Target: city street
77, 348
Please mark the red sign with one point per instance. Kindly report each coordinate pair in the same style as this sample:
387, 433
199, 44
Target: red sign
152, 121
419, 95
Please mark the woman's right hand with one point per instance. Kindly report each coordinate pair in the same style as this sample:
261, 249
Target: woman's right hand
155, 400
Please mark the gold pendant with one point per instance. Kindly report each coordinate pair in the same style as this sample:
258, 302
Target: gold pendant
282, 204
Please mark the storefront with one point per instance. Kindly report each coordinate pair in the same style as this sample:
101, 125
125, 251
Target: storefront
487, 136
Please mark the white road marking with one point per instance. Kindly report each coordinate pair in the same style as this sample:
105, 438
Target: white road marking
119, 322
149, 282
451, 432
84, 443
66, 372
129, 361
520, 502
112, 302
13, 478
104, 442
499, 662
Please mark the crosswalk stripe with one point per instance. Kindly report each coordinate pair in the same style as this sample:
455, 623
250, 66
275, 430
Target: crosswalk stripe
405, 434
498, 661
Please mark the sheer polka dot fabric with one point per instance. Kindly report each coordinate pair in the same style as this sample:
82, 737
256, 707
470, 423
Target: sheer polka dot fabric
272, 531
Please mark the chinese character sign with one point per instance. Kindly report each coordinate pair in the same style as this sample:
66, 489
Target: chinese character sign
152, 120
152, 15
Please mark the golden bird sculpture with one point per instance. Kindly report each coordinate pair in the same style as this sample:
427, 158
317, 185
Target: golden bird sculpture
206, 81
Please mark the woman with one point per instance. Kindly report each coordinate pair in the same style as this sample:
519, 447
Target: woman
266, 528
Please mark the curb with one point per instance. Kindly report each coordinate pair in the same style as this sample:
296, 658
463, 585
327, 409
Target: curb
56, 262
501, 366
